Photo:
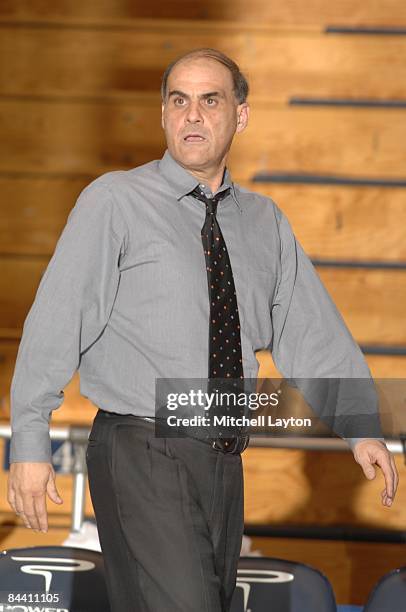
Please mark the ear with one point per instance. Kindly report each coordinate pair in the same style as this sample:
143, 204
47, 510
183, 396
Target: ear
243, 112
162, 115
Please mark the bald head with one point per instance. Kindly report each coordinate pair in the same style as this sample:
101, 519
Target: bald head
240, 84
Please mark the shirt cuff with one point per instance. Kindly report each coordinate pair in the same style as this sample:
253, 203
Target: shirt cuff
30, 446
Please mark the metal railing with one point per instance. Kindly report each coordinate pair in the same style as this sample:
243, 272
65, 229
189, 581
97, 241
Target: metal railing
78, 436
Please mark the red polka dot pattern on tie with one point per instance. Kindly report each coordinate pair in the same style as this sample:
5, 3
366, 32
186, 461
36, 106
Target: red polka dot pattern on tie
225, 358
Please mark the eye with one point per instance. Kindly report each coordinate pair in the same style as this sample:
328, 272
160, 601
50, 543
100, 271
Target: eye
211, 101
179, 101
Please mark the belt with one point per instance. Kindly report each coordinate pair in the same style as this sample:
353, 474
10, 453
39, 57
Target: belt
234, 445
231, 445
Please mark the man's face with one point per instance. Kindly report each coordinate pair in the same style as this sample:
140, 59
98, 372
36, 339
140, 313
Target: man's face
201, 113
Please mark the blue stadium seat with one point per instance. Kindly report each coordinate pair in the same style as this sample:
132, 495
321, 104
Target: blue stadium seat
389, 594
76, 574
275, 585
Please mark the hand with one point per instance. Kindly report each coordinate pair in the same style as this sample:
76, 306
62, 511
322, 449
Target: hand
370, 452
28, 485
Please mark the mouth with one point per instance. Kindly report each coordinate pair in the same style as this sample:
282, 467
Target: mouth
194, 138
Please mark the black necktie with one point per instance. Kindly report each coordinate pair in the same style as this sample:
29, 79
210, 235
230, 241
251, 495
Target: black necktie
225, 356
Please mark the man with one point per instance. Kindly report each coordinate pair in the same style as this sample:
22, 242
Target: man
125, 300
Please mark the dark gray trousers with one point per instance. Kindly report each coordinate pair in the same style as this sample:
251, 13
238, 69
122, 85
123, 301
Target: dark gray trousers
169, 513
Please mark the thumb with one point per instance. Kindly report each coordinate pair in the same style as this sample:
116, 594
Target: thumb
53, 492
369, 470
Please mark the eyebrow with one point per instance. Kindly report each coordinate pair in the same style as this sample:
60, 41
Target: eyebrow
210, 94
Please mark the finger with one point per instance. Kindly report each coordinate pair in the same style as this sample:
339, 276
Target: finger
395, 483
396, 474
19, 504
11, 497
368, 469
20, 510
52, 491
385, 464
29, 511
385, 499
40, 507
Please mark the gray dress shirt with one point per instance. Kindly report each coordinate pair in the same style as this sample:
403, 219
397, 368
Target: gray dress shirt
124, 300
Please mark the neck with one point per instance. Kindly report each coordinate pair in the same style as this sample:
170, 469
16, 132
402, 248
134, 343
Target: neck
211, 179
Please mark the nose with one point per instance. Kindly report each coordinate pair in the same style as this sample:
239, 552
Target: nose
193, 114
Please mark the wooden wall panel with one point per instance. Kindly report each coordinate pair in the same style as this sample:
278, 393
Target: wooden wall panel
331, 222
79, 137
343, 223
19, 280
340, 141
92, 61
387, 366
353, 568
381, 366
75, 409
299, 480
92, 137
292, 13
15, 535
78, 410
70, 100
64, 483
34, 212
371, 301
8, 354
281, 487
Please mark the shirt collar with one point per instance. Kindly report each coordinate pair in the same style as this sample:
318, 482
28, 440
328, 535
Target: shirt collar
183, 182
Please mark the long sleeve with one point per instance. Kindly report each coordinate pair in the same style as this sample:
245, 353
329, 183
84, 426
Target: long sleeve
70, 311
311, 343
